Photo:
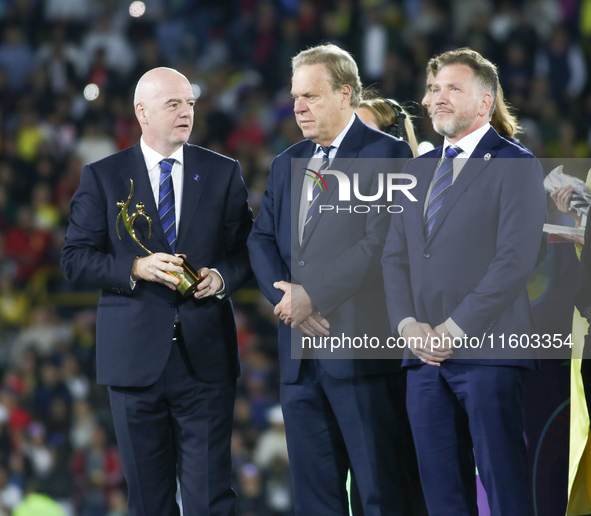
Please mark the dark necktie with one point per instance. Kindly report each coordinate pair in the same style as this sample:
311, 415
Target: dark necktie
441, 183
317, 188
166, 202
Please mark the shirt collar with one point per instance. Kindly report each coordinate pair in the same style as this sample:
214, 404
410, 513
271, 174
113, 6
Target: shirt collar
153, 157
469, 142
339, 139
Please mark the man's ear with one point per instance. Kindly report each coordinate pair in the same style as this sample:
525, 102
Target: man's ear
141, 113
485, 104
346, 91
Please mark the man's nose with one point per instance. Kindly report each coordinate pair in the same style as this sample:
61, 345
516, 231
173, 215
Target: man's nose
426, 102
186, 110
299, 105
439, 97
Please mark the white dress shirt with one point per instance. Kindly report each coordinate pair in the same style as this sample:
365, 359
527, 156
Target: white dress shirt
153, 159
314, 164
468, 143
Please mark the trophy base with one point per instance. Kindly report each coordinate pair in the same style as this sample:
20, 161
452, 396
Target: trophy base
189, 280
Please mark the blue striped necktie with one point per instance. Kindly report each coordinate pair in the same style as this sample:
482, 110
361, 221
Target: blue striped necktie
166, 202
441, 183
317, 188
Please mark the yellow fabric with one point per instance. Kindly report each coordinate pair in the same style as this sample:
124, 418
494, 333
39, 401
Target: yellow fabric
28, 141
579, 460
579, 468
585, 18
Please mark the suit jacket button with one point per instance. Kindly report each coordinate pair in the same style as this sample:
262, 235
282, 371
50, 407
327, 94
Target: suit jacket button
301, 263
427, 255
171, 303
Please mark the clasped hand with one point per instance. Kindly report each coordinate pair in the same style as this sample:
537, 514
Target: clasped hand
297, 310
428, 343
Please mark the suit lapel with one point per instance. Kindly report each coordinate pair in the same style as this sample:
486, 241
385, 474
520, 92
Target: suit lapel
192, 189
474, 165
298, 173
427, 165
135, 169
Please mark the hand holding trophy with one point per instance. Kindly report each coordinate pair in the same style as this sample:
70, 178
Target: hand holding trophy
189, 279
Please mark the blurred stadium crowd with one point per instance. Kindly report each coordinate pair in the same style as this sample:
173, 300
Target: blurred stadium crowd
67, 73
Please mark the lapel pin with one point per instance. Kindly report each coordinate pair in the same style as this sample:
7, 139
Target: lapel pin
487, 156
197, 177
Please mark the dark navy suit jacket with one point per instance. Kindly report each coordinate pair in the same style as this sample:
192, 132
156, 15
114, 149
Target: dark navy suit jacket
475, 264
338, 262
135, 327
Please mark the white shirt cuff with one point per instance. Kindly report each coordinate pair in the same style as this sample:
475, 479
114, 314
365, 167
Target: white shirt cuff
403, 323
455, 331
220, 294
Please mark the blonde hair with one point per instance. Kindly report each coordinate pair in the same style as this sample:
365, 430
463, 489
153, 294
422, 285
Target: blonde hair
385, 112
504, 120
341, 67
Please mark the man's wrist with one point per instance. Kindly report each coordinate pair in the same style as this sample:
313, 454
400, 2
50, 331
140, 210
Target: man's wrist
221, 292
455, 331
134, 275
403, 323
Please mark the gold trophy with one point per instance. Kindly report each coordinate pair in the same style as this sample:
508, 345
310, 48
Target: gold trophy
189, 279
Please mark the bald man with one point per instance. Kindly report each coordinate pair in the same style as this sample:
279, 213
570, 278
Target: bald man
170, 361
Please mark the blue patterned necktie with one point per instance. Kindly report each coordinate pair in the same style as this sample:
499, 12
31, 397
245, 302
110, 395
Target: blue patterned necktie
166, 202
317, 188
441, 182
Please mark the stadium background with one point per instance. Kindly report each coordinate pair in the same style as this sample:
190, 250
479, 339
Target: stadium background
67, 73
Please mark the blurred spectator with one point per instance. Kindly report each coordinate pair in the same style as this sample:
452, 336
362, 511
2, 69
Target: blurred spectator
36, 450
58, 421
36, 503
67, 185
119, 55
47, 216
271, 458
18, 417
10, 493
5, 438
14, 306
76, 382
272, 446
43, 334
68, 10
16, 58
60, 59
251, 500
49, 388
516, 74
117, 503
98, 472
563, 64
29, 136
26, 244
94, 144
84, 425
544, 15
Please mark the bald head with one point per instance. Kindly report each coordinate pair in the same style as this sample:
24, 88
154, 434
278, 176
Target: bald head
163, 104
153, 80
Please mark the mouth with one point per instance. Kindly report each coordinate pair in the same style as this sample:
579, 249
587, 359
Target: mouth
442, 112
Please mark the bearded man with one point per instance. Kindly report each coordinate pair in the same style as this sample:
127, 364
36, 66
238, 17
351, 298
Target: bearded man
455, 266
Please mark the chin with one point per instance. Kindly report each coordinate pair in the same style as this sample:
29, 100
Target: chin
308, 134
446, 129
